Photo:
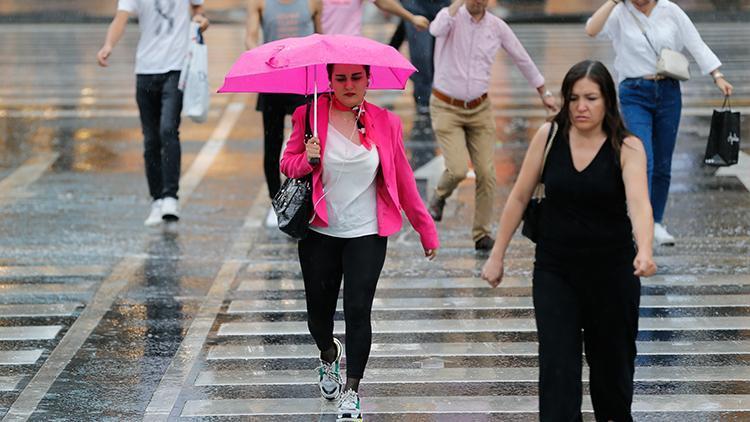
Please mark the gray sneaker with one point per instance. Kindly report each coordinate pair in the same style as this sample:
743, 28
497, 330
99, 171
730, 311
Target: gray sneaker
329, 375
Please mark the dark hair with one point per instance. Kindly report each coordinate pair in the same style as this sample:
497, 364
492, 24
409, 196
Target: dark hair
595, 71
329, 69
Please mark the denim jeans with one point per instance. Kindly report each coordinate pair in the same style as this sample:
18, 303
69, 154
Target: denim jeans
651, 110
421, 47
160, 104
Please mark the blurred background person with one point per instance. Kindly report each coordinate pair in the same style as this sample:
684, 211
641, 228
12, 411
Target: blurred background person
278, 19
461, 111
651, 104
160, 57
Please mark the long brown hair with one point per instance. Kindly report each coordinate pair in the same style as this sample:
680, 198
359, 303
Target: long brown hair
613, 125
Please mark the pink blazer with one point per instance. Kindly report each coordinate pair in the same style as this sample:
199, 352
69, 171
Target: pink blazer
395, 184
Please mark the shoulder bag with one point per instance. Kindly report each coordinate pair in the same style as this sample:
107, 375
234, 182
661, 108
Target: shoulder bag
293, 202
669, 63
531, 214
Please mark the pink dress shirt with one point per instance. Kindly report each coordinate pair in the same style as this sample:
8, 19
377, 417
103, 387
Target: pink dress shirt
342, 17
465, 50
396, 189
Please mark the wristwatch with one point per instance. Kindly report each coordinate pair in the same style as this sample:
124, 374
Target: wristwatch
547, 93
716, 75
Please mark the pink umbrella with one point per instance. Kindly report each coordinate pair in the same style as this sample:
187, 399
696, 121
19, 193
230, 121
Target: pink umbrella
298, 65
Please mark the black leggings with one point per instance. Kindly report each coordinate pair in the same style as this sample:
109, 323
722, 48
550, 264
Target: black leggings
324, 260
602, 300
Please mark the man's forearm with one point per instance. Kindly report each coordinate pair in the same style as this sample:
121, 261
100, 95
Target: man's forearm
392, 6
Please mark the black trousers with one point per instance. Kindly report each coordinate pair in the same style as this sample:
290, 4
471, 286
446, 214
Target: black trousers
600, 297
160, 104
324, 260
275, 107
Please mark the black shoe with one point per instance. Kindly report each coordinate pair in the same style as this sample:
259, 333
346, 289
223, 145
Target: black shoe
485, 243
436, 208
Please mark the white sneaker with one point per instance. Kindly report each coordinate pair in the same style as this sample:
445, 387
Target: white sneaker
154, 217
662, 236
329, 375
170, 209
271, 220
349, 406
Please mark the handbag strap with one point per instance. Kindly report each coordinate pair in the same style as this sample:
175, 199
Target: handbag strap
640, 26
726, 101
550, 139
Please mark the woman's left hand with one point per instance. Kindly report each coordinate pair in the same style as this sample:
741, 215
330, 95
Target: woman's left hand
724, 86
644, 265
430, 254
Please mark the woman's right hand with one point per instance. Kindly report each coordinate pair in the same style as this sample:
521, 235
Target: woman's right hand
312, 147
492, 271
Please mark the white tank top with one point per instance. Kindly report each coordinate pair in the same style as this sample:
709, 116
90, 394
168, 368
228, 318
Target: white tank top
349, 172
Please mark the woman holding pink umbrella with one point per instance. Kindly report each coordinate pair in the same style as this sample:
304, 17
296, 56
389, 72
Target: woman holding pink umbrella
361, 184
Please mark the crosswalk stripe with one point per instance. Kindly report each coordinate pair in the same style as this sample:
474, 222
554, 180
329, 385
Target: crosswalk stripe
42, 332
466, 375
14, 186
455, 405
477, 325
9, 272
508, 282
10, 383
38, 309
487, 349
46, 289
20, 357
484, 303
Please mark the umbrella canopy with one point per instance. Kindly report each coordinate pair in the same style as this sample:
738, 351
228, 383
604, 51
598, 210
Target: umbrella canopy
298, 65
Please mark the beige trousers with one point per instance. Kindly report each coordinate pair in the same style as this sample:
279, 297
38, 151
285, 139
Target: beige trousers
465, 135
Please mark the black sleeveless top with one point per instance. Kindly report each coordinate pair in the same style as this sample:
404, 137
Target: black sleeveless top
584, 211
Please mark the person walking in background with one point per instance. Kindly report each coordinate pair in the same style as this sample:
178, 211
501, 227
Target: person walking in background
344, 17
586, 269
279, 19
360, 186
421, 48
651, 103
468, 37
161, 54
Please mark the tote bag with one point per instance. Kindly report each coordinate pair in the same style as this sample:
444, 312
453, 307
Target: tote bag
194, 78
723, 145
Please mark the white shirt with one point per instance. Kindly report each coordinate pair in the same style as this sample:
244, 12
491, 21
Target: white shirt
349, 172
667, 27
165, 27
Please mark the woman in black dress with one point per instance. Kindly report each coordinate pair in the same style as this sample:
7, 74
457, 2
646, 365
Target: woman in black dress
586, 285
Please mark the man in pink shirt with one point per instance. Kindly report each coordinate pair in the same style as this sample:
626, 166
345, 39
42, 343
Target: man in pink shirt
345, 16
467, 40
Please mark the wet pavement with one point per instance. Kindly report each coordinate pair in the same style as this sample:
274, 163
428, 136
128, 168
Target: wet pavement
103, 319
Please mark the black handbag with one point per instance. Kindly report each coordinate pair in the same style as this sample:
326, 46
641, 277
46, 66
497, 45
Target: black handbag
723, 147
293, 202
532, 212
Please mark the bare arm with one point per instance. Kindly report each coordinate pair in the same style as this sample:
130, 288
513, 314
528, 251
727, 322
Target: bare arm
517, 201
393, 6
633, 163
595, 25
317, 10
114, 33
252, 23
